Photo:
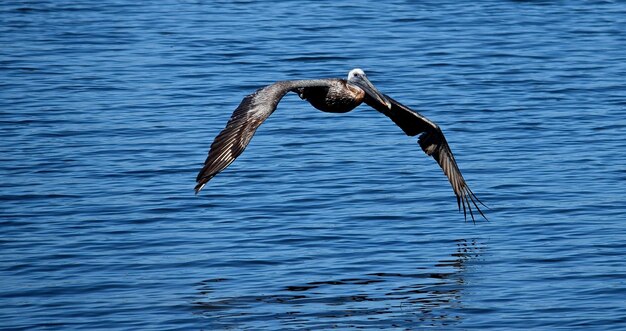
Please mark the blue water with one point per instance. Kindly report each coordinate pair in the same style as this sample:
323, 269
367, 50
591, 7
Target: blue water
327, 221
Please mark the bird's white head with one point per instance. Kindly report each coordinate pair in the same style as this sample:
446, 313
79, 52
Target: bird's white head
358, 78
356, 72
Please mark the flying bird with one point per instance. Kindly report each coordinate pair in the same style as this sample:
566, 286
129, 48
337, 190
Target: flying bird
334, 95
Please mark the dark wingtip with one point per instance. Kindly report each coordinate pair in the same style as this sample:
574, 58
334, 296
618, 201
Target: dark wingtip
202, 179
475, 201
196, 190
200, 185
465, 200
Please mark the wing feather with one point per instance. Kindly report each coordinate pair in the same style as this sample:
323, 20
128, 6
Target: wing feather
253, 110
433, 143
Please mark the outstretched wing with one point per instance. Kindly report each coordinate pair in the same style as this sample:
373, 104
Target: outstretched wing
253, 110
434, 143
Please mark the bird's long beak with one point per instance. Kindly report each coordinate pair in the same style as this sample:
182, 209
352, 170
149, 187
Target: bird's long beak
362, 82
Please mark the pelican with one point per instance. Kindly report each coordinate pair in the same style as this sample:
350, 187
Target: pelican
334, 95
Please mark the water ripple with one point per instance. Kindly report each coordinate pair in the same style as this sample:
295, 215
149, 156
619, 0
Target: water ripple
326, 221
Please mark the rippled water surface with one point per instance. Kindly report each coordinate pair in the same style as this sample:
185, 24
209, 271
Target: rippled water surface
327, 221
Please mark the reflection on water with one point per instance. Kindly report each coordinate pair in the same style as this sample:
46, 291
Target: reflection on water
429, 296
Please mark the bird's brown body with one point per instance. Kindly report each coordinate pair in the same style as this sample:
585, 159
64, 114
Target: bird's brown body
337, 97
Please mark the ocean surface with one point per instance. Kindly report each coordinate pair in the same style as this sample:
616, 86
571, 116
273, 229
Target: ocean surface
326, 221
